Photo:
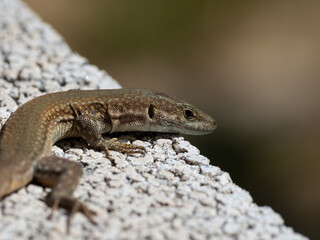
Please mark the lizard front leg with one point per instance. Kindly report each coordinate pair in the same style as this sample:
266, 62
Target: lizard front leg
63, 176
90, 128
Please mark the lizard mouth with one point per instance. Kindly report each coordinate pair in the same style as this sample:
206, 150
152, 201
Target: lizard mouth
199, 128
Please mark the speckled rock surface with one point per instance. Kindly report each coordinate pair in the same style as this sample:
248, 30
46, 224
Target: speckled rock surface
170, 193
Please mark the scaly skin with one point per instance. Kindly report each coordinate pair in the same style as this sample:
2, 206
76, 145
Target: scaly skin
28, 135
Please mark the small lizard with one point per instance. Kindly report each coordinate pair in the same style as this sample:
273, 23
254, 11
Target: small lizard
30, 132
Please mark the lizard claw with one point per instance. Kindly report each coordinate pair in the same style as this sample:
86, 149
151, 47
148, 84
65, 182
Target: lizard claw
71, 204
80, 207
136, 149
113, 144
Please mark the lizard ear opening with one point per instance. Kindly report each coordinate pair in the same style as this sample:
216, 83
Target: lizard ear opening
151, 110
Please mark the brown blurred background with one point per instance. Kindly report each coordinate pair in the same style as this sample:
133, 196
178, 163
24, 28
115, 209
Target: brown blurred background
253, 65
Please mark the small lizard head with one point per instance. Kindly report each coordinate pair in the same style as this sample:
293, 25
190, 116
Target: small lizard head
196, 122
174, 115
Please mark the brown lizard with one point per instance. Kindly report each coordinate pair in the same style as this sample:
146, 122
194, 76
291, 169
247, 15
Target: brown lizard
28, 135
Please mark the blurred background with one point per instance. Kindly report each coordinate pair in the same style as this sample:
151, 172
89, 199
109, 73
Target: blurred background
252, 65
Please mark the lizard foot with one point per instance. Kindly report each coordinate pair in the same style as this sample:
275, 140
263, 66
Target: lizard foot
72, 204
113, 144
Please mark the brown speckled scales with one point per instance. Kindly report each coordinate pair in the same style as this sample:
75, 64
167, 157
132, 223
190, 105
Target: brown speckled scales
28, 135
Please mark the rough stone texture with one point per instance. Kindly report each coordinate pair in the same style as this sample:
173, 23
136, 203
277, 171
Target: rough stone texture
170, 193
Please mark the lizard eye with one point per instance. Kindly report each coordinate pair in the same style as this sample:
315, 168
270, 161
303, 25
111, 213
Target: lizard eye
189, 114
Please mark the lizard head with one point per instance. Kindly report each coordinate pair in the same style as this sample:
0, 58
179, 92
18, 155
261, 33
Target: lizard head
146, 110
175, 115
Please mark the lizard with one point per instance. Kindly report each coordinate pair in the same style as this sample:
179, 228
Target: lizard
28, 135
